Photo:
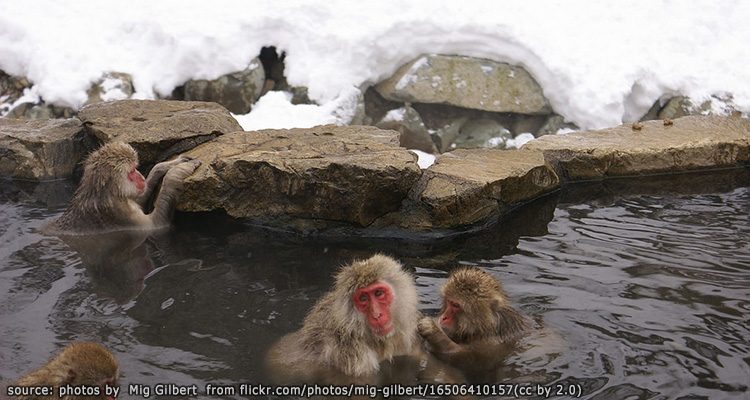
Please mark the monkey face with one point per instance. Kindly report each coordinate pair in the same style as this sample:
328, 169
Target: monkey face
135, 181
374, 301
450, 315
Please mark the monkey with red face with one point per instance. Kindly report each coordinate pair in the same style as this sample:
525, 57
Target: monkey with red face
112, 193
477, 327
357, 330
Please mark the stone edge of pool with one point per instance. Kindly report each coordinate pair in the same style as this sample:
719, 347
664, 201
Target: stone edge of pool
332, 176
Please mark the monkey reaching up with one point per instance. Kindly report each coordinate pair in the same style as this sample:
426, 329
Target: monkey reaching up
112, 193
85, 363
477, 326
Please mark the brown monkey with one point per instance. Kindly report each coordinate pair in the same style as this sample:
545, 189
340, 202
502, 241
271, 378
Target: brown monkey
477, 326
367, 321
85, 363
112, 192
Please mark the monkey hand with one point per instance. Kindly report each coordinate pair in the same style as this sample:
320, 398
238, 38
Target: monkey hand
160, 169
179, 172
427, 327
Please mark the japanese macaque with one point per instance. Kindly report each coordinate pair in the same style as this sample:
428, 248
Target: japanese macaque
368, 320
79, 364
477, 327
112, 193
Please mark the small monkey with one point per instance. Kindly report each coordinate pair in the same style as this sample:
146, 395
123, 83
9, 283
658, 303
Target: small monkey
78, 364
112, 193
477, 326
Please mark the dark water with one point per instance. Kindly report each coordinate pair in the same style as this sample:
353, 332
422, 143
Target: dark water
644, 288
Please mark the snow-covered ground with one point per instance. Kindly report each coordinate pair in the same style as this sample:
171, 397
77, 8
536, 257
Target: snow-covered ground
599, 63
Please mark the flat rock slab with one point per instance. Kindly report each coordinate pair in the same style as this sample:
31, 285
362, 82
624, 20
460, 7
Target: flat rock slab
466, 187
40, 149
157, 129
689, 143
351, 174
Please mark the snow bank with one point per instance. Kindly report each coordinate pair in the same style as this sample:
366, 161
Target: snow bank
599, 63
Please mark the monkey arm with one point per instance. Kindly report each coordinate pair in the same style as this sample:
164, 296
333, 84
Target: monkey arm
171, 187
155, 176
439, 342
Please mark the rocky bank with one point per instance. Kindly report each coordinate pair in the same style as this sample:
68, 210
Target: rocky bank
359, 177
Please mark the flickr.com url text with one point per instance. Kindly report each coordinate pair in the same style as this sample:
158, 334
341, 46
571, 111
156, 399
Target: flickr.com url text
253, 390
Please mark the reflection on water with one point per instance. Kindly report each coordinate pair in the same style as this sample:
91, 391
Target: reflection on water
646, 285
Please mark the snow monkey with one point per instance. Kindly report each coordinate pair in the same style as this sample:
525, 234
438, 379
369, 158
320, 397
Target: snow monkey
477, 326
356, 332
79, 364
112, 192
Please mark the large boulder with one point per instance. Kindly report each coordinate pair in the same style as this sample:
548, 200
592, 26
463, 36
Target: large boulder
466, 82
40, 149
466, 187
157, 129
689, 143
351, 174
236, 91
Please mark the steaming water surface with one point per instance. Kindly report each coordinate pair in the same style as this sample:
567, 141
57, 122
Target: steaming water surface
645, 288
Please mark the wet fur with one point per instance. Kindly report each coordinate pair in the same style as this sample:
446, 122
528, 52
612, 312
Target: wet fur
336, 338
90, 363
486, 329
106, 201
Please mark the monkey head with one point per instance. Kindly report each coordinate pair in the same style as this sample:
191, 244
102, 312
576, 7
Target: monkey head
471, 301
77, 364
380, 294
90, 364
112, 169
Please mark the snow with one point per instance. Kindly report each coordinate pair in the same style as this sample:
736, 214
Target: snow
395, 115
599, 63
424, 159
519, 141
275, 111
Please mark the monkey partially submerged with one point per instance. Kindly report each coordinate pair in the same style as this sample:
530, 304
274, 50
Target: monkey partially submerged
477, 326
79, 364
112, 193
365, 322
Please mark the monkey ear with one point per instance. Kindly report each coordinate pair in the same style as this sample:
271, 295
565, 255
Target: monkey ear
71, 376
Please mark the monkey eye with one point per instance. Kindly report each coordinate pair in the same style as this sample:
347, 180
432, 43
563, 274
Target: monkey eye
379, 293
455, 305
362, 298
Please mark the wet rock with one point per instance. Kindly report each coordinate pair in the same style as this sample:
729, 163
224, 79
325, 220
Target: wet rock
408, 123
304, 177
157, 129
236, 91
40, 149
111, 86
689, 143
466, 187
466, 82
